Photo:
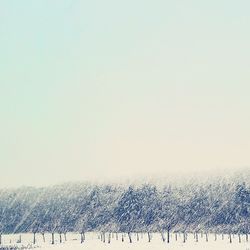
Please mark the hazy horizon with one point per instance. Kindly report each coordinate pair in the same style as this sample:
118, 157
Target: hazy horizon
105, 90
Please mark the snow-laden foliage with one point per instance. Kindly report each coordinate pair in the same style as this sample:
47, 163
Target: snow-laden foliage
222, 207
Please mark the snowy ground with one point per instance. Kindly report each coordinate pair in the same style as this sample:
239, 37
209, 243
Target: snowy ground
93, 243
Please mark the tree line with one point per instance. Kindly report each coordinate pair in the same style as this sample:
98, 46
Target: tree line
221, 207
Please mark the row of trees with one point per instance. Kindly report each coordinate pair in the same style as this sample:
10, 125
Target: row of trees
219, 207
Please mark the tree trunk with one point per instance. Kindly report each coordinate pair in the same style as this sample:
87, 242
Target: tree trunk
184, 238
109, 239
53, 239
149, 237
103, 237
206, 237
116, 236
65, 237
222, 236
82, 237
196, 237
130, 239
163, 237
230, 238
239, 238
246, 237
60, 237
176, 236
215, 236
137, 236
168, 235
43, 237
0, 238
122, 238
34, 238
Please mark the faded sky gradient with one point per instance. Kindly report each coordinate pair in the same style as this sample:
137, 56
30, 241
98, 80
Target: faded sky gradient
94, 90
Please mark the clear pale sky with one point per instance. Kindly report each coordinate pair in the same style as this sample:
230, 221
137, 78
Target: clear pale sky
93, 90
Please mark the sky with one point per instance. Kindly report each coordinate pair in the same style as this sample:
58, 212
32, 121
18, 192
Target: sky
99, 90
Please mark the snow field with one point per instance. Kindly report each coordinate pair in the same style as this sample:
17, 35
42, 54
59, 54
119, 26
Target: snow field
93, 242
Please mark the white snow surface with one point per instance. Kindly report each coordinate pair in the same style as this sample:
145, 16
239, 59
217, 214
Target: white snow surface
93, 242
